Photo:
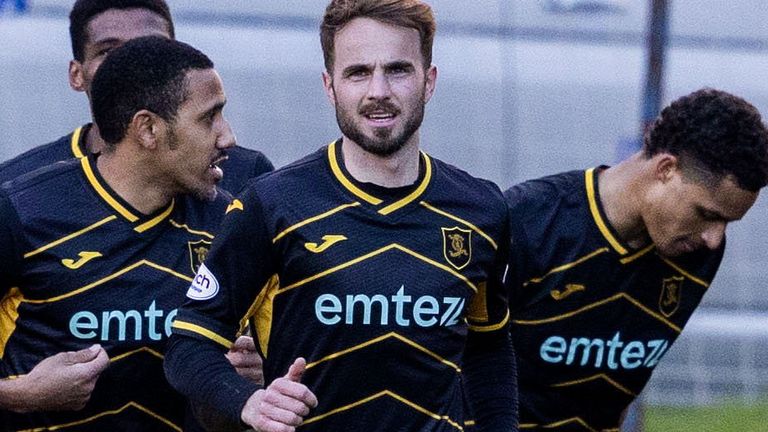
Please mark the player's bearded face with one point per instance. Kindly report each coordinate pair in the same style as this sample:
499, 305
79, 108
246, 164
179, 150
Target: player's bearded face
387, 139
197, 139
379, 84
201, 186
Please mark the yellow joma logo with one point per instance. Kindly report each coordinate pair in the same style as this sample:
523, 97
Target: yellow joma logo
569, 289
85, 256
328, 241
234, 205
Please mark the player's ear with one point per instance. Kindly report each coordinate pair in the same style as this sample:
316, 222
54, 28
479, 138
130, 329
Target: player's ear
666, 166
328, 86
430, 79
147, 127
76, 76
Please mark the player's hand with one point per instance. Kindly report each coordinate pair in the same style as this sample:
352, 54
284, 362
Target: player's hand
246, 360
282, 406
63, 381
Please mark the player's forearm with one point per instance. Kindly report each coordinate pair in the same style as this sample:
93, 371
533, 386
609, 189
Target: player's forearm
491, 380
14, 396
199, 371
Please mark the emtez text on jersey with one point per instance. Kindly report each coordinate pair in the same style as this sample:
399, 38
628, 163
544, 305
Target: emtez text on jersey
399, 309
613, 353
114, 325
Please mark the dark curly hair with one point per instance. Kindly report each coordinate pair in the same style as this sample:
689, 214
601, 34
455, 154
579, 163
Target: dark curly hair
84, 10
715, 131
413, 14
146, 73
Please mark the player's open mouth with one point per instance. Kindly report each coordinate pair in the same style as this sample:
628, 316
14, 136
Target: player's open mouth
380, 118
215, 170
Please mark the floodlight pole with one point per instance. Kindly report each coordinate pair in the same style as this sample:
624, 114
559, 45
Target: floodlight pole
658, 33
658, 29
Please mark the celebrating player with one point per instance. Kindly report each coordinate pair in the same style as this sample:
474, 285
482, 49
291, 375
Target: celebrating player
371, 270
608, 264
98, 251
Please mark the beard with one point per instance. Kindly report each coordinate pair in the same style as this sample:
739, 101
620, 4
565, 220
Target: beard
384, 142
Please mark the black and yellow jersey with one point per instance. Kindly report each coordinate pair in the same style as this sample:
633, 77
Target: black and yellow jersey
81, 266
592, 317
242, 165
67, 147
376, 288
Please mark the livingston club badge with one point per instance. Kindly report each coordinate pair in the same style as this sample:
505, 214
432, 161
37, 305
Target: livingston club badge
671, 290
457, 246
197, 253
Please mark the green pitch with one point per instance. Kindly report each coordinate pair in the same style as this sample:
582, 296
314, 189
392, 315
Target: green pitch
725, 417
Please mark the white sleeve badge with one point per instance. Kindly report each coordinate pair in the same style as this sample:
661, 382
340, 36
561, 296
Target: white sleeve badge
204, 285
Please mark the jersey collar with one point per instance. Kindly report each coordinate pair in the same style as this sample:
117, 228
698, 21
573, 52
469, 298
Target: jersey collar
357, 188
77, 141
140, 221
598, 213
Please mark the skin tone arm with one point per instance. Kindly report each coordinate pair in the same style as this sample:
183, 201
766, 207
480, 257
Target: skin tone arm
61, 382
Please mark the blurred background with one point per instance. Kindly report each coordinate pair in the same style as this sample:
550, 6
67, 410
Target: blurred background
525, 88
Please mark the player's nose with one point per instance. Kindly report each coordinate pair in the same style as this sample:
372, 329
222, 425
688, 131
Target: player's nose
713, 235
226, 138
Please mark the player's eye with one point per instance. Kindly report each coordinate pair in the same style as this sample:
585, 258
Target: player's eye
104, 51
398, 70
357, 73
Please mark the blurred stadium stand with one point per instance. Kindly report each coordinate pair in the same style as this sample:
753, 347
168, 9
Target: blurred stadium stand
525, 88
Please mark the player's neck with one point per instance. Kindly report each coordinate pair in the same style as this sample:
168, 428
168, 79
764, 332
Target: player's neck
133, 180
397, 170
621, 195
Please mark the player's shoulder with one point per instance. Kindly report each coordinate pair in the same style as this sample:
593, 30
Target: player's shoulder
52, 189
254, 158
242, 165
545, 191
294, 177
54, 178
457, 182
37, 157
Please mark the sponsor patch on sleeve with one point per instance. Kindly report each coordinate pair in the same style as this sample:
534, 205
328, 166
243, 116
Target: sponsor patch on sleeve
204, 285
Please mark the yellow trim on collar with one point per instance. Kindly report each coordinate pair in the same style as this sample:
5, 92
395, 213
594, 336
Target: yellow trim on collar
416, 193
593, 207
156, 220
103, 192
345, 181
75, 143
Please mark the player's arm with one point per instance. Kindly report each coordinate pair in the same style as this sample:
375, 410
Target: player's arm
61, 382
236, 270
489, 360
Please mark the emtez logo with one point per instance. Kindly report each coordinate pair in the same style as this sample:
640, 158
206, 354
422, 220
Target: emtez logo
614, 353
113, 325
424, 311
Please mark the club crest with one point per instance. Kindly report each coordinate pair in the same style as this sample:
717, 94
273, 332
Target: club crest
671, 291
198, 250
457, 246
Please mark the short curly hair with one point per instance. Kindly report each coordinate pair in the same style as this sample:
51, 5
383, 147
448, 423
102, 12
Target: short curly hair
717, 131
146, 73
